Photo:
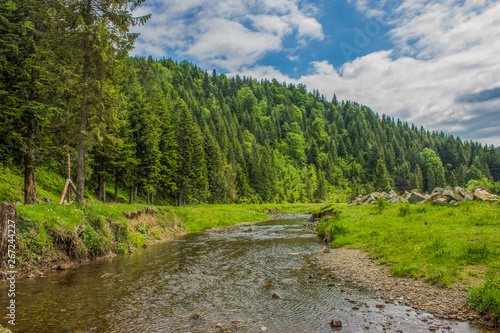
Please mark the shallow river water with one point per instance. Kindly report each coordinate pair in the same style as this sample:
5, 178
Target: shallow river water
226, 277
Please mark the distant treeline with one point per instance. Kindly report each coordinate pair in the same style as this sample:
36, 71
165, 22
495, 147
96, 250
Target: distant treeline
180, 135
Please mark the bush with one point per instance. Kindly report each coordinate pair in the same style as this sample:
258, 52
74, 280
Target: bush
381, 204
96, 243
485, 298
122, 248
404, 209
136, 239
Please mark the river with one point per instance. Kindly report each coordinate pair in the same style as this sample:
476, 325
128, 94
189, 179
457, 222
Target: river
226, 278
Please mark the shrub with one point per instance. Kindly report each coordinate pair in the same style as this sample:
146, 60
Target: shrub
485, 298
96, 243
136, 239
122, 248
404, 209
381, 204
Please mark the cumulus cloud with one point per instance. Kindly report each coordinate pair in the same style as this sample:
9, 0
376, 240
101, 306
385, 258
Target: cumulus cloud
230, 34
443, 73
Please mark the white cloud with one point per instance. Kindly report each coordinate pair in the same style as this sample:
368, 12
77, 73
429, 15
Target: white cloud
239, 45
452, 55
226, 33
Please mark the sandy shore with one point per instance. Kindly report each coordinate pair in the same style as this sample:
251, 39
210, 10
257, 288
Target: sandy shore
355, 265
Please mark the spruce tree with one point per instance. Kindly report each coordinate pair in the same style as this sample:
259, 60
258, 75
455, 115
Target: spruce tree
382, 179
431, 180
100, 29
190, 176
420, 178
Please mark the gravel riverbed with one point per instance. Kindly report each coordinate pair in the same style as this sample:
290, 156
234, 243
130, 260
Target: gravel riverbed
353, 265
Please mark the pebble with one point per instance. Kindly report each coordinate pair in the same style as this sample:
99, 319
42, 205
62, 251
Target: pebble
195, 316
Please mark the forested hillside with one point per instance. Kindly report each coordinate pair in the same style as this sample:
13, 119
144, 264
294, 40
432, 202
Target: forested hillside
173, 133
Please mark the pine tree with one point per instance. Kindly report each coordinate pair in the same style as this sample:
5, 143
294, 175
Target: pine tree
420, 178
322, 190
190, 177
382, 179
431, 180
30, 80
101, 33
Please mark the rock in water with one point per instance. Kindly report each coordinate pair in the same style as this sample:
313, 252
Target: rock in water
336, 323
324, 250
276, 295
195, 316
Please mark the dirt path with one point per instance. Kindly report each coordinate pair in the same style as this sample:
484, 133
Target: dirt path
354, 265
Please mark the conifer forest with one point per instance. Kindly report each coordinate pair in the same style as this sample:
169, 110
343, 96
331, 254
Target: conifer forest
173, 133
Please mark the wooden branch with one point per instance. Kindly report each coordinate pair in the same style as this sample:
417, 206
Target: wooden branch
64, 191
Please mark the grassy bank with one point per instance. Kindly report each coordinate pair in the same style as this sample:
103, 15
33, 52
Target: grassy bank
441, 244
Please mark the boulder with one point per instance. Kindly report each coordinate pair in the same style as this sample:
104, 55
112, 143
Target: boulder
484, 195
416, 198
275, 295
370, 199
452, 194
46, 199
460, 191
438, 189
442, 200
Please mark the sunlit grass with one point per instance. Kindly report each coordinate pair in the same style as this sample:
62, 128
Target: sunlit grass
437, 243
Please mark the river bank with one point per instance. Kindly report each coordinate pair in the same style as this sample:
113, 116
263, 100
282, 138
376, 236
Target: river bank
353, 265
60, 237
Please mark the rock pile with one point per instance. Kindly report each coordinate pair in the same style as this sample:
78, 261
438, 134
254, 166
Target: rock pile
447, 195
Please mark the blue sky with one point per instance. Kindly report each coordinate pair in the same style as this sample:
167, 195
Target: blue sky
435, 64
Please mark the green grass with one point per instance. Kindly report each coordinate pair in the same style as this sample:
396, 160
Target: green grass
485, 298
209, 216
11, 185
202, 217
458, 243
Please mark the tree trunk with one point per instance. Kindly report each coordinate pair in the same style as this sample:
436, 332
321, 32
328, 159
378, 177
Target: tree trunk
30, 171
148, 197
135, 193
116, 189
102, 181
82, 141
131, 199
29, 159
69, 194
181, 191
7, 212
